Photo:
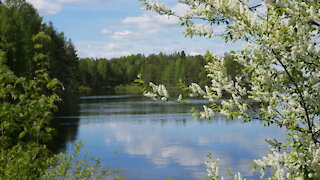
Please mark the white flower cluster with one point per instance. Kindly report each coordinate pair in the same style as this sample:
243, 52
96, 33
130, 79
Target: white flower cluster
208, 113
196, 90
201, 30
302, 163
213, 168
158, 7
159, 92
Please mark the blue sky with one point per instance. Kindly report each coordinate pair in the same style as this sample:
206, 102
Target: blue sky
114, 28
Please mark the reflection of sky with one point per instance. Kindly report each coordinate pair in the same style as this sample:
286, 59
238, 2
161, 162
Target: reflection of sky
155, 145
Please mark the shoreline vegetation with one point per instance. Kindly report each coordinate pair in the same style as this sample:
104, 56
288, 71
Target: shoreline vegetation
121, 89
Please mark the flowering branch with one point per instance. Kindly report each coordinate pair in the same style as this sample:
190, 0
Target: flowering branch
280, 72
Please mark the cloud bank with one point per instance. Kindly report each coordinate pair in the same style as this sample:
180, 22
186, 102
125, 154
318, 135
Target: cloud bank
55, 6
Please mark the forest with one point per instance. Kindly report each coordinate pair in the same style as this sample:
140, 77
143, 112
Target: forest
39, 66
102, 74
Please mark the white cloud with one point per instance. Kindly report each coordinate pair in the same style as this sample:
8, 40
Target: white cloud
72, 1
151, 23
125, 35
105, 31
122, 35
180, 9
47, 7
75, 1
107, 54
147, 25
54, 6
194, 53
113, 47
102, 50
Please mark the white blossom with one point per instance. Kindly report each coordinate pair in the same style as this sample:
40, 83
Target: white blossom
159, 92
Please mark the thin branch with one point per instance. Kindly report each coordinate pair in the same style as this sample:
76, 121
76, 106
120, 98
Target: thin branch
253, 8
298, 91
314, 23
279, 123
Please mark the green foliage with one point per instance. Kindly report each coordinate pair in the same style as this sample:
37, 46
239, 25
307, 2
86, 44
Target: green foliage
19, 24
72, 167
84, 89
25, 115
26, 108
232, 67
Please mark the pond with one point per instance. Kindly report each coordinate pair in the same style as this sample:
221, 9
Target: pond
156, 140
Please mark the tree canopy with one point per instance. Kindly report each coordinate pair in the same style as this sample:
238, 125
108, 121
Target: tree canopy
19, 23
107, 73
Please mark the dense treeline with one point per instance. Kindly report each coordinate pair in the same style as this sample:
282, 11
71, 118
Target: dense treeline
101, 74
161, 68
19, 23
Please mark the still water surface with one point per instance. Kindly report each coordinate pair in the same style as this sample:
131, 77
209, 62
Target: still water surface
156, 140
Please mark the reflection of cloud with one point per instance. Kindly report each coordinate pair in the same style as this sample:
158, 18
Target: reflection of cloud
156, 148
203, 140
184, 155
232, 147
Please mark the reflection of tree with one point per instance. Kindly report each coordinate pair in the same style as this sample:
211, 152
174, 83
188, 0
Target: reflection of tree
66, 128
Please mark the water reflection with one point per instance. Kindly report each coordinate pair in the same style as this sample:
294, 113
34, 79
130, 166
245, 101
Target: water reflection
65, 123
156, 140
